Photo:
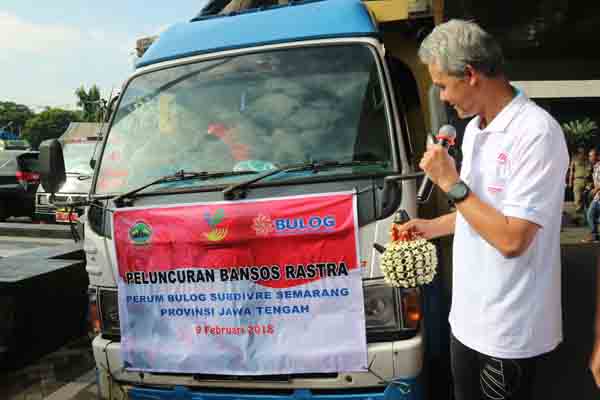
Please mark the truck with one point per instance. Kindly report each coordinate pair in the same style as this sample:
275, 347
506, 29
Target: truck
248, 147
79, 143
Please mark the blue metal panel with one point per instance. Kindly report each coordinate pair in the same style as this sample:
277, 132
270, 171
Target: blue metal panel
400, 389
300, 21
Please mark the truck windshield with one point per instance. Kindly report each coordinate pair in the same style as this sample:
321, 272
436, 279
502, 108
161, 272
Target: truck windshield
77, 156
251, 112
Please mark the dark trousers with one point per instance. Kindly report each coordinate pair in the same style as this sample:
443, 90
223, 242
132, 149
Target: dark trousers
477, 376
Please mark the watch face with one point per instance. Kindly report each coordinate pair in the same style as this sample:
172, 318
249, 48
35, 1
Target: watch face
459, 191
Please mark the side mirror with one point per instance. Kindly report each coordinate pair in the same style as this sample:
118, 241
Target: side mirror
92, 163
52, 166
391, 194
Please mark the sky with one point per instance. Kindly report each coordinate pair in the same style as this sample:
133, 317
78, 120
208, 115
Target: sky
50, 48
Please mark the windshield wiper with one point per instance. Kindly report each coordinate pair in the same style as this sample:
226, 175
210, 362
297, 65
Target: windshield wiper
176, 177
80, 175
238, 190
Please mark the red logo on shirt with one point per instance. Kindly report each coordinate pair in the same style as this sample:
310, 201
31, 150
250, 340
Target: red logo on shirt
502, 158
495, 189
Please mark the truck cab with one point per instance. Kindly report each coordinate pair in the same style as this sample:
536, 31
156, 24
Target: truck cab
289, 101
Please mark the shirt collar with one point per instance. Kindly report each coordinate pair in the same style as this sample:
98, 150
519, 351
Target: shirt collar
501, 121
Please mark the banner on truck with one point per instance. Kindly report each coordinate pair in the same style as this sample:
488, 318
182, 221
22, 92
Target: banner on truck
254, 287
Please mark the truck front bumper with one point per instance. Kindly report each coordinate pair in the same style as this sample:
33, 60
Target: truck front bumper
402, 389
388, 361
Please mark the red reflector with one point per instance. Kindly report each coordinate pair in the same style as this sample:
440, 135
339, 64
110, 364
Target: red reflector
23, 177
411, 307
94, 318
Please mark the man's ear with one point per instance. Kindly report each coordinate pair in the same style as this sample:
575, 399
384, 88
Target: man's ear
471, 75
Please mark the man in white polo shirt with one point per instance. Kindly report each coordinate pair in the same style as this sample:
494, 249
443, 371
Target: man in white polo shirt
506, 304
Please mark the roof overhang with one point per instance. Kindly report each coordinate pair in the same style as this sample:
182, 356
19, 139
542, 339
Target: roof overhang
388, 10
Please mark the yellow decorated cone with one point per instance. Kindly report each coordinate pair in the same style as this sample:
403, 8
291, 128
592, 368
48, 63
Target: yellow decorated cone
408, 260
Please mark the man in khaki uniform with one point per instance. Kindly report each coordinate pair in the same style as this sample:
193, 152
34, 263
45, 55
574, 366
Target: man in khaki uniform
578, 173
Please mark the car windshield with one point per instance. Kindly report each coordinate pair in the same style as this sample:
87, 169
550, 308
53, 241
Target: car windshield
250, 112
77, 156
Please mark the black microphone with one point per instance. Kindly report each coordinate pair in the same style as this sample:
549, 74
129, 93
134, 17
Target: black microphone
445, 137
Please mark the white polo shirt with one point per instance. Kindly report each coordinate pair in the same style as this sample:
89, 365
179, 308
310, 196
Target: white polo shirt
511, 307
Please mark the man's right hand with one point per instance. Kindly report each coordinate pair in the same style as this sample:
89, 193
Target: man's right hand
425, 228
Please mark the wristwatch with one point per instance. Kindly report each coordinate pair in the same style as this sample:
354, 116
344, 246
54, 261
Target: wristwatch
458, 192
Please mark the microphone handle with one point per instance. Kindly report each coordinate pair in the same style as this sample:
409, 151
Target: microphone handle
427, 185
425, 190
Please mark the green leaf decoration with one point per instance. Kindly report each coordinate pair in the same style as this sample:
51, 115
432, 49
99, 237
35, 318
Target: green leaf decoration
218, 217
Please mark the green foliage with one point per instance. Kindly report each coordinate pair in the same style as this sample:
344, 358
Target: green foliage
13, 116
91, 102
580, 132
48, 124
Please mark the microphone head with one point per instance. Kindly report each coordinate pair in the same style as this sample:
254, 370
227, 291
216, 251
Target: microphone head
447, 131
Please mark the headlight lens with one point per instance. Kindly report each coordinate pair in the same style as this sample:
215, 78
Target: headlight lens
391, 313
382, 311
109, 312
43, 200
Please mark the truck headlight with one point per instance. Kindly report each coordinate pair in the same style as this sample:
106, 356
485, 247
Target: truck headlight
109, 313
390, 313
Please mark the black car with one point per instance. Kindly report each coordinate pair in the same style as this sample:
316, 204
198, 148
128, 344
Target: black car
19, 181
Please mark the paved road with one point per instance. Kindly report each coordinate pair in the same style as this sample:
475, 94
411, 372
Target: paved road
66, 374
13, 245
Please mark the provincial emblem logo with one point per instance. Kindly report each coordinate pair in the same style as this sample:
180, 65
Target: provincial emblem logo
140, 233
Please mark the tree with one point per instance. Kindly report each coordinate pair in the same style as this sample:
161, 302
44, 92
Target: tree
13, 116
579, 133
91, 102
48, 124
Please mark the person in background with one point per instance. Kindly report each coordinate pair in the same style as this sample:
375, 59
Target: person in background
578, 171
593, 211
506, 298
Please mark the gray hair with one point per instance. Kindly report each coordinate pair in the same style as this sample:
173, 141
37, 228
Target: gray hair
455, 44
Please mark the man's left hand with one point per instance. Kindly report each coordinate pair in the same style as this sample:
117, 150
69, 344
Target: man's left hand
439, 166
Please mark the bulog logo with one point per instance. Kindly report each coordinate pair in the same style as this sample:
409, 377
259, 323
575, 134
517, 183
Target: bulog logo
310, 224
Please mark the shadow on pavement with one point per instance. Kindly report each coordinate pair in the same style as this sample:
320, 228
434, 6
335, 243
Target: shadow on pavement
51, 372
